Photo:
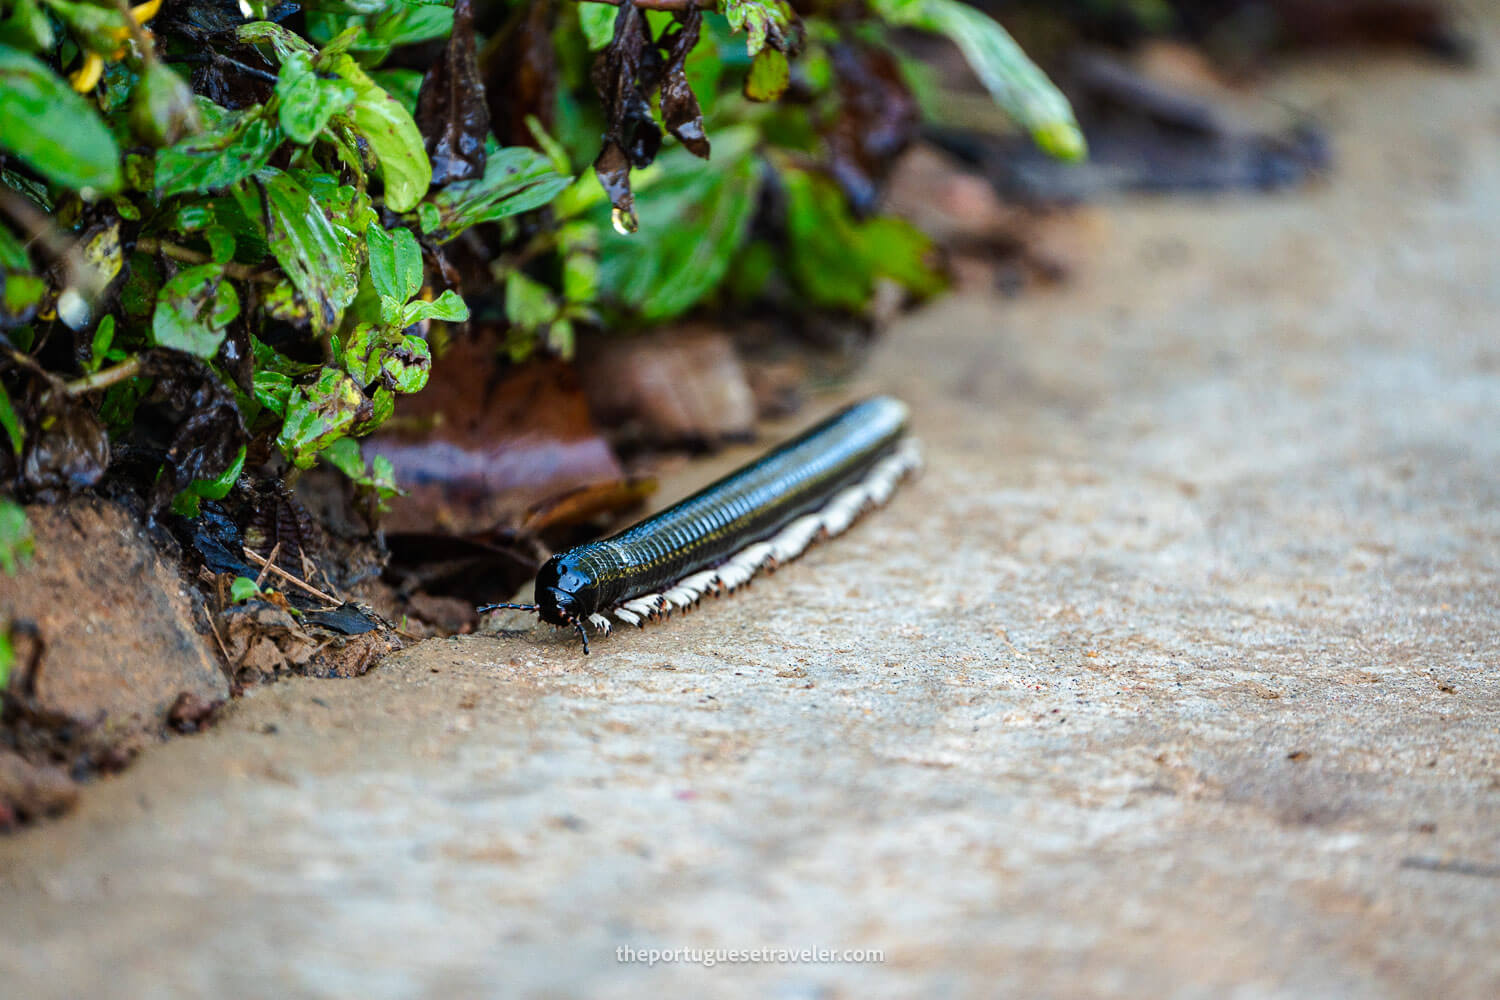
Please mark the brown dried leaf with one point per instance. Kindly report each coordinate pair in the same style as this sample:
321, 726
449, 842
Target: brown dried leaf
877, 119
451, 111
679, 105
625, 73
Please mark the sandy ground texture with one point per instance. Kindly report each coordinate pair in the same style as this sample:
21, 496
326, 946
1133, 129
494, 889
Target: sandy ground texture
1173, 676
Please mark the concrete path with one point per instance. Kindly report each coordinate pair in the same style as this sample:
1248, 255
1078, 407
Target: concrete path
1173, 676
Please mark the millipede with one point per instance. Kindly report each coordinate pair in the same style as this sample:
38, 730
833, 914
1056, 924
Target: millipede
714, 542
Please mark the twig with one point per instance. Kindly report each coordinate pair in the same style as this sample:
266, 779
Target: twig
228, 666
270, 561
104, 378
286, 577
150, 244
137, 33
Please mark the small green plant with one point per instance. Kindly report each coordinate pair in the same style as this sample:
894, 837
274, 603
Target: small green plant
244, 589
16, 542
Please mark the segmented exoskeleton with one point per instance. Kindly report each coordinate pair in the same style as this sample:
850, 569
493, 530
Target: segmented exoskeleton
762, 515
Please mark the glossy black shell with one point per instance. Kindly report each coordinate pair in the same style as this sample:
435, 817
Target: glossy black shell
716, 522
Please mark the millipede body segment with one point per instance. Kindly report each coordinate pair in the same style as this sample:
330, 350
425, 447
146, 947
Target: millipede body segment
764, 514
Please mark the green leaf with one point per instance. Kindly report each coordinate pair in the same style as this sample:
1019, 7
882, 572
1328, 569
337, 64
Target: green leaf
449, 308
223, 155
272, 390
698, 221
598, 23
7, 659
244, 589
835, 260
306, 100
529, 304
395, 262
393, 137
11, 422
16, 543
104, 336
344, 454
219, 486
13, 256
53, 130
26, 28
768, 77
317, 415
19, 295
516, 179
285, 43
194, 311
162, 109
766, 22
380, 354
322, 264
1012, 79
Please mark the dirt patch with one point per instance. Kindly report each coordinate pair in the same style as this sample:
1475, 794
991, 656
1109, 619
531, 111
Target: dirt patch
115, 651
109, 644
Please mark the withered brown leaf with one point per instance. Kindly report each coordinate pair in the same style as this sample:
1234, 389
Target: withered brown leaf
451, 110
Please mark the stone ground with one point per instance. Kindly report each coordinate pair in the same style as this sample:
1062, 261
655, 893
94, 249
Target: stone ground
1174, 675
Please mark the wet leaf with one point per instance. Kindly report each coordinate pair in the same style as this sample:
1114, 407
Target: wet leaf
625, 74
451, 109
323, 266
306, 100
208, 435
194, 310
51, 129
66, 451
201, 19
393, 137
516, 179
679, 106
223, 154
768, 77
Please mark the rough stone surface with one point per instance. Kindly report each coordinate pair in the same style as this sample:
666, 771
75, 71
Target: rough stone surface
1173, 676
117, 622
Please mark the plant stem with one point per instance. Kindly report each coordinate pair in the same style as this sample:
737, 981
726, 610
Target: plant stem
137, 33
150, 244
104, 378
